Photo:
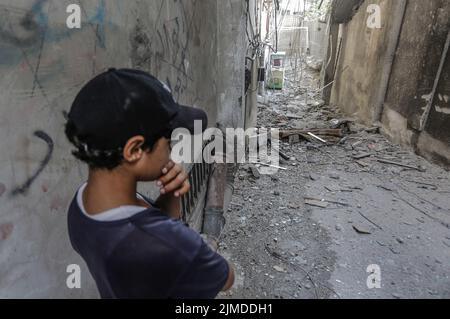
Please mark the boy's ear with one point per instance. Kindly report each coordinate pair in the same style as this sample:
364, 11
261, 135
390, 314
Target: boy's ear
132, 151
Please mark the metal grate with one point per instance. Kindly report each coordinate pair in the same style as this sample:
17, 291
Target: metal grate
198, 178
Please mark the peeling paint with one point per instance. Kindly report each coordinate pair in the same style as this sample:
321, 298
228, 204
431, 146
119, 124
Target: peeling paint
444, 110
444, 98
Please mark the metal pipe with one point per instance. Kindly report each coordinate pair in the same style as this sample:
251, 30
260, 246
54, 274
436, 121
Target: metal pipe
229, 187
426, 114
214, 220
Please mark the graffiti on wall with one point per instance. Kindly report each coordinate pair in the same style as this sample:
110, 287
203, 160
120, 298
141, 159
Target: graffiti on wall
167, 43
23, 33
22, 29
31, 25
21, 190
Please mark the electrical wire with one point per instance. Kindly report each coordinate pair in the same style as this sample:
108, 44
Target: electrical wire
255, 44
278, 24
276, 28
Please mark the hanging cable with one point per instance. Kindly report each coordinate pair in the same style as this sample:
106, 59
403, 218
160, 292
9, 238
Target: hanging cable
255, 45
277, 5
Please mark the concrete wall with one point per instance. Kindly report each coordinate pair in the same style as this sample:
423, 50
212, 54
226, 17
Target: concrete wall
291, 38
294, 40
417, 58
231, 52
419, 53
360, 62
43, 64
317, 38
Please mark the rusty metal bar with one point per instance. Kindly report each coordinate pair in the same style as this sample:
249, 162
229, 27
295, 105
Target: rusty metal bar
198, 178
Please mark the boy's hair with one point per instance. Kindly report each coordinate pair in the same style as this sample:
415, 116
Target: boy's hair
97, 159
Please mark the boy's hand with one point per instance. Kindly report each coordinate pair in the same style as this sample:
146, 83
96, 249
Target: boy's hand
174, 180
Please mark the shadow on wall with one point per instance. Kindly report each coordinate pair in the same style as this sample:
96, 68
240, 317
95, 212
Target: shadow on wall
342, 11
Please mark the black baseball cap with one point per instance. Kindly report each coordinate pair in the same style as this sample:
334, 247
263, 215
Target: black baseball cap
121, 103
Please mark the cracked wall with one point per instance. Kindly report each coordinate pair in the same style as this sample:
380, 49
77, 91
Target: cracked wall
418, 55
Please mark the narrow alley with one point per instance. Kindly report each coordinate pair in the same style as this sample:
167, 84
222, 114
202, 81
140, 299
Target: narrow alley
132, 151
337, 208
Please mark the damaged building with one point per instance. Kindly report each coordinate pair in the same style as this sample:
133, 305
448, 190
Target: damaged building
359, 90
394, 74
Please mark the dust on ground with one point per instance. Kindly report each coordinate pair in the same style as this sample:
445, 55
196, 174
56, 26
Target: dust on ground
312, 230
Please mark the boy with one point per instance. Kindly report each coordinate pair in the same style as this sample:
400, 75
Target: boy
121, 124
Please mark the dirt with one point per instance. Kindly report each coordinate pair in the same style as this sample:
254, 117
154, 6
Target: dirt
361, 213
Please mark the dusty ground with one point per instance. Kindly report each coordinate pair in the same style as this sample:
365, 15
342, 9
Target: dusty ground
376, 214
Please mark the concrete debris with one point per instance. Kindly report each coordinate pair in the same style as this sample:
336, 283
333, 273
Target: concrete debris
273, 166
317, 138
333, 188
316, 203
279, 269
284, 156
316, 131
431, 186
294, 139
255, 172
373, 130
361, 230
336, 204
355, 145
334, 175
362, 156
314, 64
339, 123
420, 169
